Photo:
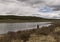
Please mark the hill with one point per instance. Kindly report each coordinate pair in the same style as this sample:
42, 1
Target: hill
13, 18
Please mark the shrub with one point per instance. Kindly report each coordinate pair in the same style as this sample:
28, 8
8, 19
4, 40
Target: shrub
25, 36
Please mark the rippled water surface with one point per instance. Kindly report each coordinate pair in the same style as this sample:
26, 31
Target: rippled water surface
5, 27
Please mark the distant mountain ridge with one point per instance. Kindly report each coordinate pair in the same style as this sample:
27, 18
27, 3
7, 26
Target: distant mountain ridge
14, 18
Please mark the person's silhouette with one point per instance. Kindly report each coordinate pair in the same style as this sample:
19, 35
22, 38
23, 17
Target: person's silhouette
37, 26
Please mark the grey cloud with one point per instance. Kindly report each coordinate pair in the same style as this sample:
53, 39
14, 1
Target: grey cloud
6, 1
22, 0
56, 7
27, 7
38, 2
12, 12
32, 1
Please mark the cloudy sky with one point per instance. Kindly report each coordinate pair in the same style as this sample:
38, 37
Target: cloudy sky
39, 8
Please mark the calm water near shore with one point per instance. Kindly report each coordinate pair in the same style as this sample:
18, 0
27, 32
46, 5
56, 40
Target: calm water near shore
5, 27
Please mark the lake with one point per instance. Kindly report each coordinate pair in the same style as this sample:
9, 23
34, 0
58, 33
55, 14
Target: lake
5, 27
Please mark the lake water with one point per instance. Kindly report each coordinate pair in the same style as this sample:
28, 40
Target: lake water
5, 27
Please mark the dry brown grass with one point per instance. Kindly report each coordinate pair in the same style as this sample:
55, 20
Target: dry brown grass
44, 34
41, 38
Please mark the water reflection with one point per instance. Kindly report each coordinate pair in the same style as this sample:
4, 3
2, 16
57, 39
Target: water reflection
5, 27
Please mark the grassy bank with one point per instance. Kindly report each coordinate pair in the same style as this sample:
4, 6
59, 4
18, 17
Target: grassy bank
44, 34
